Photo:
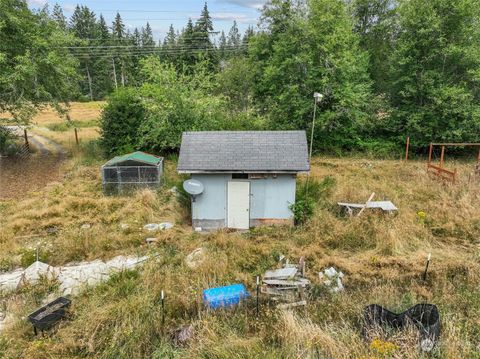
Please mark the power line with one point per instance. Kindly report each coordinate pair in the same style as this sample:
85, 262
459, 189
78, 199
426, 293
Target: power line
102, 47
148, 53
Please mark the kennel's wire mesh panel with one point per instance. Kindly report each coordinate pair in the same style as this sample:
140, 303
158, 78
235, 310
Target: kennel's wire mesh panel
121, 179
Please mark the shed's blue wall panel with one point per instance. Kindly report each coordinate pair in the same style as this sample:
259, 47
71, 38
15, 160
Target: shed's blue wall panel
211, 204
272, 197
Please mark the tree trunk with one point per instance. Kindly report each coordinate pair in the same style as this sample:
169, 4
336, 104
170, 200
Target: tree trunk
123, 76
89, 83
114, 74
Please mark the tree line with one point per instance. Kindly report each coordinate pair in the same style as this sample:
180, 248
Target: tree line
387, 69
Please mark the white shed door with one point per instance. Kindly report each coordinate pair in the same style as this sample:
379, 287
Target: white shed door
238, 208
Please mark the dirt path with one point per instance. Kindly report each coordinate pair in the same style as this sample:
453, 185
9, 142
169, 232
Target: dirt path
20, 175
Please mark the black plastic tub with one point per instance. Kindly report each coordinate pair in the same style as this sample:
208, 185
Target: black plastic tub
425, 317
48, 315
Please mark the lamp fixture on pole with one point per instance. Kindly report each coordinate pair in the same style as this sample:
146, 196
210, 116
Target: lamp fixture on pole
318, 98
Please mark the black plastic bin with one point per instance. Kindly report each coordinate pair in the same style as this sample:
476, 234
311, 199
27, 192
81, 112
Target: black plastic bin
48, 315
425, 317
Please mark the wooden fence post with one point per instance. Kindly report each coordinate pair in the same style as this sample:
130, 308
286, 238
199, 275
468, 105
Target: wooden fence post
442, 156
430, 151
26, 139
76, 136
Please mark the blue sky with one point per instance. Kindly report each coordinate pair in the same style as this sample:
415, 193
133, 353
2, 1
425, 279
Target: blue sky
161, 13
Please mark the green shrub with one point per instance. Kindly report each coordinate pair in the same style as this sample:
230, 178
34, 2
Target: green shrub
121, 118
310, 193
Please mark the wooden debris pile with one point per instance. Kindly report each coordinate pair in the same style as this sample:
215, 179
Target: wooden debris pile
287, 284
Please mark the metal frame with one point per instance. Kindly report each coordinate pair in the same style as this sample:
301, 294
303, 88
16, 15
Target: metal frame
439, 170
139, 181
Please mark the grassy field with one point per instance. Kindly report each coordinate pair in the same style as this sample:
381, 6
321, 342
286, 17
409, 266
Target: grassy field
382, 257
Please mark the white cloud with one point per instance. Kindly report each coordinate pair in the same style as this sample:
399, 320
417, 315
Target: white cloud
231, 16
68, 7
37, 3
252, 4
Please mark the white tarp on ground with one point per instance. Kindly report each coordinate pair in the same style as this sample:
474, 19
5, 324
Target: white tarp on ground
72, 276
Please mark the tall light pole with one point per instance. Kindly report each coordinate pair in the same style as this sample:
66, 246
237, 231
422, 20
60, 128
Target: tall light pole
318, 97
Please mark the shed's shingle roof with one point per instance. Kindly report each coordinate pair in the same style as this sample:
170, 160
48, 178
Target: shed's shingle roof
244, 151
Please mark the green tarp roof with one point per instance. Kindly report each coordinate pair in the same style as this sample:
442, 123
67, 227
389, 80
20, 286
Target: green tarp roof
137, 157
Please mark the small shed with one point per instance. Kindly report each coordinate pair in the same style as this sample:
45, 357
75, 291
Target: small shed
248, 177
132, 171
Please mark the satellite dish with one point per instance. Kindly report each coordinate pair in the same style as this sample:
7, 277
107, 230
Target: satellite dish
193, 187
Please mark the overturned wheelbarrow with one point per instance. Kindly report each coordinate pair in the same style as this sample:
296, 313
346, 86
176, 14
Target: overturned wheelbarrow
48, 315
425, 317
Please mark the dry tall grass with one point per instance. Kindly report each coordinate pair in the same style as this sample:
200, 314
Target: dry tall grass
382, 258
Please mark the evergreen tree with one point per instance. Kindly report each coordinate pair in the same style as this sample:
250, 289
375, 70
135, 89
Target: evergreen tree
118, 28
103, 84
202, 43
84, 26
59, 17
103, 32
170, 40
137, 38
187, 45
203, 28
147, 36
120, 54
170, 46
222, 45
234, 38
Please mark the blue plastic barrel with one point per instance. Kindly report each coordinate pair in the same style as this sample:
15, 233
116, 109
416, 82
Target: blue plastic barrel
227, 296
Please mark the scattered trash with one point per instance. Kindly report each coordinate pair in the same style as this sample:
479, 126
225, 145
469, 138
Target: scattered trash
124, 226
151, 240
425, 317
158, 226
182, 335
173, 190
86, 226
47, 316
195, 258
223, 297
385, 206
71, 277
288, 283
52, 230
151, 227
332, 279
198, 229
166, 225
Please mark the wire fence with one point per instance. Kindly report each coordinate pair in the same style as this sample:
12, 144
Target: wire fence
122, 179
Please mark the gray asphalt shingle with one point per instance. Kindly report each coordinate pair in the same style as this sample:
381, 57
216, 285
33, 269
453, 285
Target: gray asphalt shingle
244, 151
